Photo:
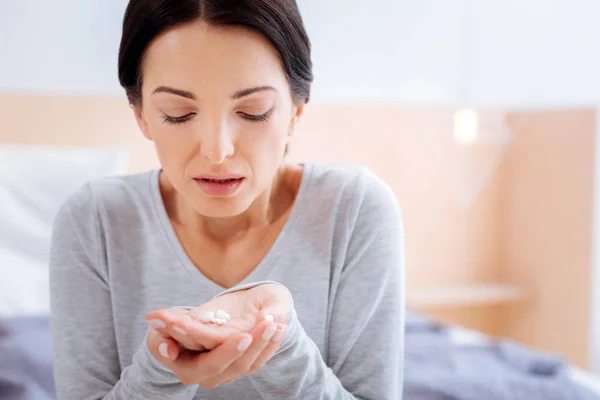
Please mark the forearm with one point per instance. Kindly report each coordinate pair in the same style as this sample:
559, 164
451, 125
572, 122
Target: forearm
298, 371
88, 376
146, 378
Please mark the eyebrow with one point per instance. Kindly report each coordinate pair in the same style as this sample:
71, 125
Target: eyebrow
189, 95
178, 92
248, 92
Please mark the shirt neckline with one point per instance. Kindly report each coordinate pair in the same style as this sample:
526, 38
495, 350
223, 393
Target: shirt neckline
260, 272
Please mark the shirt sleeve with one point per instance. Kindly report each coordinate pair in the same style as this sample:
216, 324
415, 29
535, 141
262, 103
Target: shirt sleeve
366, 336
86, 362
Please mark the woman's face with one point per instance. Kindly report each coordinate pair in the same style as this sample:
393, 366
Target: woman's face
218, 107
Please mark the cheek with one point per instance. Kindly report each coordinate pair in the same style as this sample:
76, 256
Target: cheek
263, 144
173, 145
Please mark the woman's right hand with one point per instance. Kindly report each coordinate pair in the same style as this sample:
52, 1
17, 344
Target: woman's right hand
239, 354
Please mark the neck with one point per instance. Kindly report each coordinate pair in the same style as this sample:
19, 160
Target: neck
265, 209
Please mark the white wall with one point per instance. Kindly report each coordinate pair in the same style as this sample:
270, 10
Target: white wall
384, 50
60, 46
433, 52
534, 52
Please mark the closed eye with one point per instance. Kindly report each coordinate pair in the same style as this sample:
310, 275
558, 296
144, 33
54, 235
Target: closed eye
177, 120
256, 118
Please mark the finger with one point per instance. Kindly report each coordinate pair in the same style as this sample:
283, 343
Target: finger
169, 350
271, 349
191, 334
167, 314
163, 321
197, 333
216, 361
195, 338
242, 366
265, 316
162, 318
164, 349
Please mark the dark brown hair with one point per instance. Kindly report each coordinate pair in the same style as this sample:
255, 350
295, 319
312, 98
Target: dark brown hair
277, 20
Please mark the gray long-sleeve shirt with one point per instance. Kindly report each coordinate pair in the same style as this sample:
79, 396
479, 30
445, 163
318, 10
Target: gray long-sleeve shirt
115, 256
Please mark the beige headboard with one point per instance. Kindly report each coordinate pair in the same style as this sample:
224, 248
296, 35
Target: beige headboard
74, 121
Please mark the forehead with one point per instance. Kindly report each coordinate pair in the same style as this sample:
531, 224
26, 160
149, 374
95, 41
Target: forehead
203, 56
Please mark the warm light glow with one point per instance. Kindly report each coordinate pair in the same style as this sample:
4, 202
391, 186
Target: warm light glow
465, 126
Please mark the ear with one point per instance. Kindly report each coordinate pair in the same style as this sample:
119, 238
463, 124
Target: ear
297, 111
141, 121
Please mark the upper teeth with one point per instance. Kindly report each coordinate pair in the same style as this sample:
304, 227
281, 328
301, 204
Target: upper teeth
220, 180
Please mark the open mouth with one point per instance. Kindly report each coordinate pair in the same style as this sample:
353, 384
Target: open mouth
219, 187
221, 180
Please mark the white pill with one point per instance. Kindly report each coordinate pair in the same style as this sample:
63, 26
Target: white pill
222, 315
269, 318
208, 316
219, 321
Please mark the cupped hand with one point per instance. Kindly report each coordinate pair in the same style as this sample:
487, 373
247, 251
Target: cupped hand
211, 354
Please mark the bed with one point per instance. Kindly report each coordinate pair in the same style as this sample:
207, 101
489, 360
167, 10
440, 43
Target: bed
466, 337
26, 365
444, 362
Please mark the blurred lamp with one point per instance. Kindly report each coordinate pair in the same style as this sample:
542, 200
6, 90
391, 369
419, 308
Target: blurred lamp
465, 126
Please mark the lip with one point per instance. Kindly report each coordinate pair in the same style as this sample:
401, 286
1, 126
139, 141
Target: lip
227, 187
218, 177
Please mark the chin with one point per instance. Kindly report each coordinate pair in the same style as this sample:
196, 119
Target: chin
221, 208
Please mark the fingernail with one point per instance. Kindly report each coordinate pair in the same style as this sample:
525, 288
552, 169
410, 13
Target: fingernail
163, 349
179, 330
244, 343
279, 335
157, 324
269, 318
268, 334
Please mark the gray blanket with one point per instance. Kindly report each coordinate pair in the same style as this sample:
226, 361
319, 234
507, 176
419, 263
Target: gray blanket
437, 369
26, 359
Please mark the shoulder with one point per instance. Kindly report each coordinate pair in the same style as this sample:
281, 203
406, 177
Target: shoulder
357, 188
111, 193
368, 228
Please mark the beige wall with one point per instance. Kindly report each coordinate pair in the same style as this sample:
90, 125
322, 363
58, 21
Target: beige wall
413, 150
75, 121
547, 212
531, 223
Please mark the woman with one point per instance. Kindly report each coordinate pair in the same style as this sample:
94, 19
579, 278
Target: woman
306, 260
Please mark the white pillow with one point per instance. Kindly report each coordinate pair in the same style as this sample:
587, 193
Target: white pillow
34, 183
24, 287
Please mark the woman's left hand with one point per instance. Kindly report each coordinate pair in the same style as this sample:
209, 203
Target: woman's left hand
249, 310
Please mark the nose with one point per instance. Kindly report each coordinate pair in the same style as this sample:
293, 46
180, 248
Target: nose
216, 143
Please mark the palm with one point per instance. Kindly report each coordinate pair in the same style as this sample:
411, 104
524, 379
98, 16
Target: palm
245, 308
239, 307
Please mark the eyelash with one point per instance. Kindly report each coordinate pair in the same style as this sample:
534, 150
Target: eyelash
176, 120
257, 118
252, 118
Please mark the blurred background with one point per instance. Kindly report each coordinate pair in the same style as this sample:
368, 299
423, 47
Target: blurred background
481, 115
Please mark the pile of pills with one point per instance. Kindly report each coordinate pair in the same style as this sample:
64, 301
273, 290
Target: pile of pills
219, 318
